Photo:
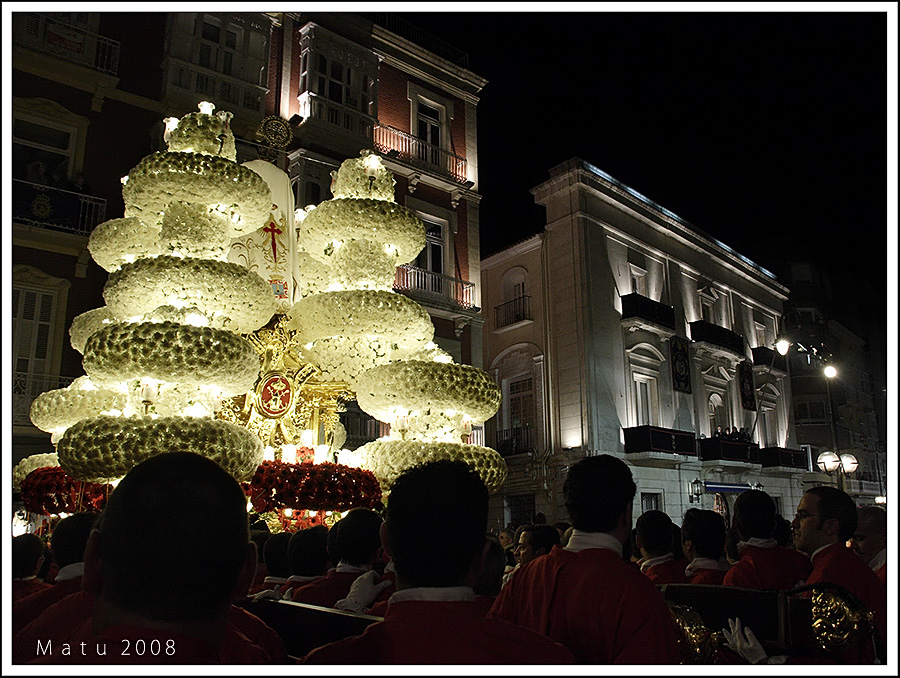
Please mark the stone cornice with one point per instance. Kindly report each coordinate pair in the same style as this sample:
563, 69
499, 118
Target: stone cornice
431, 79
512, 252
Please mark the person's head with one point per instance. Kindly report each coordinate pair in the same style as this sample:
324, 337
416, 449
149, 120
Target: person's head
677, 550
871, 532
173, 543
561, 527
505, 537
654, 534
70, 536
27, 555
534, 541
703, 534
598, 494
448, 500
260, 537
275, 555
308, 553
489, 581
754, 515
359, 537
782, 534
825, 515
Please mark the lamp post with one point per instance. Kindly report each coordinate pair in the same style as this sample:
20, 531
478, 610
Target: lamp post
830, 373
830, 462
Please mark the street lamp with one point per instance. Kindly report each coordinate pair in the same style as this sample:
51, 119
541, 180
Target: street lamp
829, 462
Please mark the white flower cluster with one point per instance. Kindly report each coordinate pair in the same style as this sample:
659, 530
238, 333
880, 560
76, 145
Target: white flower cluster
84, 325
195, 231
345, 358
174, 399
365, 265
363, 177
171, 352
388, 459
62, 407
103, 448
118, 241
161, 178
427, 388
344, 219
314, 275
215, 287
32, 463
204, 133
432, 353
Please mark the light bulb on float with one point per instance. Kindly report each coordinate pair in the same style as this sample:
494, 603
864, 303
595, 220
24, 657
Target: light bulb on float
206, 107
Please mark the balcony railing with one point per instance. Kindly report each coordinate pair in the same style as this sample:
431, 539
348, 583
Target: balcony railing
638, 307
227, 92
704, 331
720, 449
512, 311
657, 439
316, 107
404, 146
56, 209
43, 33
28, 386
780, 456
520, 440
432, 286
765, 357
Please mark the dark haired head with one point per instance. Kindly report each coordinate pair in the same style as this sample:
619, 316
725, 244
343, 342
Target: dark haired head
833, 503
654, 532
307, 551
174, 538
359, 536
754, 515
275, 555
598, 490
490, 579
706, 532
27, 549
70, 536
544, 536
435, 523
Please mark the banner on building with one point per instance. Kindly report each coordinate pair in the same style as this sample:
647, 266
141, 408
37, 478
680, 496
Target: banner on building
681, 364
748, 390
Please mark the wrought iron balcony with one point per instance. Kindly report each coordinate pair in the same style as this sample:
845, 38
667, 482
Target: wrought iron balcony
657, 446
53, 208
703, 331
48, 35
720, 449
764, 358
228, 92
28, 386
395, 143
640, 312
512, 312
434, 287
519, 440
771, 457
315, 107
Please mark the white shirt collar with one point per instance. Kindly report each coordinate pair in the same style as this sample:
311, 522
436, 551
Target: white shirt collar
295, 578
70, 572
434, 594
579, 541
757, 542
343, 566
275, 580
821, 548
876, 562
650, 562
702, 564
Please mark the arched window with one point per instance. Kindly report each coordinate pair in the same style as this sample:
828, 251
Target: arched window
716, 408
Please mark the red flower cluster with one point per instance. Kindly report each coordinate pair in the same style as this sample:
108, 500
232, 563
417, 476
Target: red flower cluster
324, 487
50, 490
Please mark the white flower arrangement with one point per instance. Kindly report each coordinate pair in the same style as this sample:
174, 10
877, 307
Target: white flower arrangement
195, 231
31, 463
314, 275
342, 220
217, 288
168, 351
118, 241
364, 265
204, 133
388, 459
103, 448
84, 325
62, 407
432, 353
173, 399
424, 390
161, 178
345, 358
363, 177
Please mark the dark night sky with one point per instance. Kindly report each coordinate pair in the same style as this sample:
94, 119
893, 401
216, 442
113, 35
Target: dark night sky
765, 130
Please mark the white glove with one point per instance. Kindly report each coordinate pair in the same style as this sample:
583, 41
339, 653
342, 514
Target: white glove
363, 593
268, 594
744, 642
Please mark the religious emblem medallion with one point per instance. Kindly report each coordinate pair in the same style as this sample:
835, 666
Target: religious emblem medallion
274, 394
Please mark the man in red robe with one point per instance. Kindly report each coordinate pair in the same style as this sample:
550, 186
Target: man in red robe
762, 564
654, 539
27, 558
585, 595
826, 519
703, 541
433, 617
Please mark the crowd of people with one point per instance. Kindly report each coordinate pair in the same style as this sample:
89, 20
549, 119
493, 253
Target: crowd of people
166, 573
